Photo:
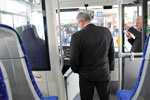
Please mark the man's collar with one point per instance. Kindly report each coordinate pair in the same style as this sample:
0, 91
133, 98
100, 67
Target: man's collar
88, 25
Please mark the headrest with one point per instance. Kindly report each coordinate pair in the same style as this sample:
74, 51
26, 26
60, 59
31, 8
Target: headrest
30, 32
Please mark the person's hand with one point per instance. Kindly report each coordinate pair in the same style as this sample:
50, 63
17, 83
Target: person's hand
126, 27
110, 73
129, 35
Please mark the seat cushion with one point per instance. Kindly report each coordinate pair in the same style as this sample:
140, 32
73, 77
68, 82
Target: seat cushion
124, 94
51, 98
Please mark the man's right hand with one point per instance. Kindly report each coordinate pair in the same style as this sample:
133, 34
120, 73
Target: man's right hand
129, 35
126, 27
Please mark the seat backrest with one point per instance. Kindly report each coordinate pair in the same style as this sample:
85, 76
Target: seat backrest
142, 73
15, 61
35, 48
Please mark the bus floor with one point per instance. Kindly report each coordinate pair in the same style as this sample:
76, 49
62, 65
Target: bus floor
113, 90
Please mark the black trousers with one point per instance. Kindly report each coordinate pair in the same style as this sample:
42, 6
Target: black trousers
87, 89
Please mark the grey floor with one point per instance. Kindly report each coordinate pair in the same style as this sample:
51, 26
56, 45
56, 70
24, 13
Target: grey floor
113, 89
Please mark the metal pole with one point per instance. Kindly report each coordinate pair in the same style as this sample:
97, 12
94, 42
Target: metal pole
144, 28
59, 22
120, 47
13, 21
138, 9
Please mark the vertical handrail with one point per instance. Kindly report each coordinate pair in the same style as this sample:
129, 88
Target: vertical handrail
144, 22
60, 38
59, 22
120, 47
13, 21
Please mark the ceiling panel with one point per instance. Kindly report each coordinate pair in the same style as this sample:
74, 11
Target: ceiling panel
80, 3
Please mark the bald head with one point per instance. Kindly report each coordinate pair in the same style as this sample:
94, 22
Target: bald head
139, 23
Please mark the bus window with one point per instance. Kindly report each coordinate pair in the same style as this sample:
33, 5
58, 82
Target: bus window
102, 17
107, 18
68, 26
23, 16
130, 15
6, 19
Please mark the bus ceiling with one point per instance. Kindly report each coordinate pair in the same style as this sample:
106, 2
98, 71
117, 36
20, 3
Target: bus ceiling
81, 3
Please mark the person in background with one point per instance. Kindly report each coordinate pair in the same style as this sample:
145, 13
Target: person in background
135, 42
92, 57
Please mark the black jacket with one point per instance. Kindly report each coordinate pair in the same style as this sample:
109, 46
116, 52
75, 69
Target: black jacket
137, 42
92, 53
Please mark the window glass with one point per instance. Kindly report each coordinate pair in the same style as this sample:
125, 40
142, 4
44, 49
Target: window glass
68, 26
35, 39
28, 21
19, 21
39, 24
130, 15
108, 18
6, 19
13, 6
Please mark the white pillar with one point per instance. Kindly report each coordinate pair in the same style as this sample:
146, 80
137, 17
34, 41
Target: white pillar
56, 81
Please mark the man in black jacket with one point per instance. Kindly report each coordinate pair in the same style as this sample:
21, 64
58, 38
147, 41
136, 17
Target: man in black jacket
92, 57
137, 42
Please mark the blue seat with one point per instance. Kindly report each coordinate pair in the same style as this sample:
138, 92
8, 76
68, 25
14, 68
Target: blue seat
29, 68
3, 90
128, 94
35, 49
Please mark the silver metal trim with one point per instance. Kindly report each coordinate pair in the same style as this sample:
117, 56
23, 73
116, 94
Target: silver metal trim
68, 73
120, 47
130, 54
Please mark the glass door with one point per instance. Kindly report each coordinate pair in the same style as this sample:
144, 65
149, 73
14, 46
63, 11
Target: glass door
129, 61
130, 13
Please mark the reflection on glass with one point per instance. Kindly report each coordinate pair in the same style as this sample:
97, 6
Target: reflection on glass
35, 41
130, 15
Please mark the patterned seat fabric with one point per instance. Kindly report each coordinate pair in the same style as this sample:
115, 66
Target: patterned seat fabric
3, 90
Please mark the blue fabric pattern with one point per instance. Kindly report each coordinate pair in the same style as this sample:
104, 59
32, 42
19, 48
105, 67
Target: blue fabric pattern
28, 66
3, 90
124, 94
128, 94
51, 98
